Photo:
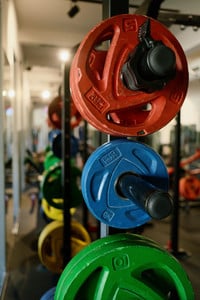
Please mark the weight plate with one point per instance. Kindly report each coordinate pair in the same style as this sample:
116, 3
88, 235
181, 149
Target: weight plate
92, 247
51, 186
102, 171
124, 268
50, 244
57, 146
53, 213
96, 83
88, 250
50, 160
76, 117
189, 187
55, 113
78, 231
49, 295
52, 189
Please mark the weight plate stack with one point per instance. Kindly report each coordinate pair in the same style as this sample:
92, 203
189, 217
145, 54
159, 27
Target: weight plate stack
124, 266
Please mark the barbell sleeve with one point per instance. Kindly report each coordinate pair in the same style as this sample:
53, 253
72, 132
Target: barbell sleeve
157, 203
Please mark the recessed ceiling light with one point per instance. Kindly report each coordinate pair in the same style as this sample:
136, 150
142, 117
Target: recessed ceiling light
64, 55
46, 94
11, 93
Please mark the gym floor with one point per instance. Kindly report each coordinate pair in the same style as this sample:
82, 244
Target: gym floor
28, 279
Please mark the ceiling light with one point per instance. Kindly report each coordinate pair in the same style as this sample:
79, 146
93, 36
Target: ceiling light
64, 55
11, 94
46, 94
4, 93
9, 111
73, 11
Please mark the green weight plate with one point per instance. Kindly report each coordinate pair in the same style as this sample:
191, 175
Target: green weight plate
52, 189
51, 186
92, 247
110, 241
124, 267
50, 160
109, 244
74, 266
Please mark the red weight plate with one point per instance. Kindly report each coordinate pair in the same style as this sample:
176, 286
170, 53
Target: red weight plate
97, 88
189, 187
76, 117
55, 113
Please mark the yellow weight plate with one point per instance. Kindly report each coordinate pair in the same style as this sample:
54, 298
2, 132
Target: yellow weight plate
77, 245
78, 231
54, 213
50, 245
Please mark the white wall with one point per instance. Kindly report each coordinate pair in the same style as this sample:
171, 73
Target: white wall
11, 40
190, 113
39, 122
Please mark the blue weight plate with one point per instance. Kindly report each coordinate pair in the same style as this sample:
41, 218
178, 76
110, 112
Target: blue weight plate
103, 169
49, 295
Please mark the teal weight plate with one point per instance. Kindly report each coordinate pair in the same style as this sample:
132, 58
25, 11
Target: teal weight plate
124, 267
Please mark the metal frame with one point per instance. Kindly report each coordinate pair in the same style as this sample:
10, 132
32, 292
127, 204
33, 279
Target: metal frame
2, 176
111, 8
16, 152
166, 16
66, 168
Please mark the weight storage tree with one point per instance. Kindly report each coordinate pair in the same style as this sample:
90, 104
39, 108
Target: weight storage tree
124, 182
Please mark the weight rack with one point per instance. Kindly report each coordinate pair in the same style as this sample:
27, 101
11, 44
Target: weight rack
109, 8
66, 168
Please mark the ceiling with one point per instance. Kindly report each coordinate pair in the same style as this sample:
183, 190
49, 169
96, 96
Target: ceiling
45, 28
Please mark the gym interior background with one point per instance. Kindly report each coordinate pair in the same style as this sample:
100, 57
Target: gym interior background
36, 39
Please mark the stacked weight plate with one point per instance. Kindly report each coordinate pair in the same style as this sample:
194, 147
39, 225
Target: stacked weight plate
124, 266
